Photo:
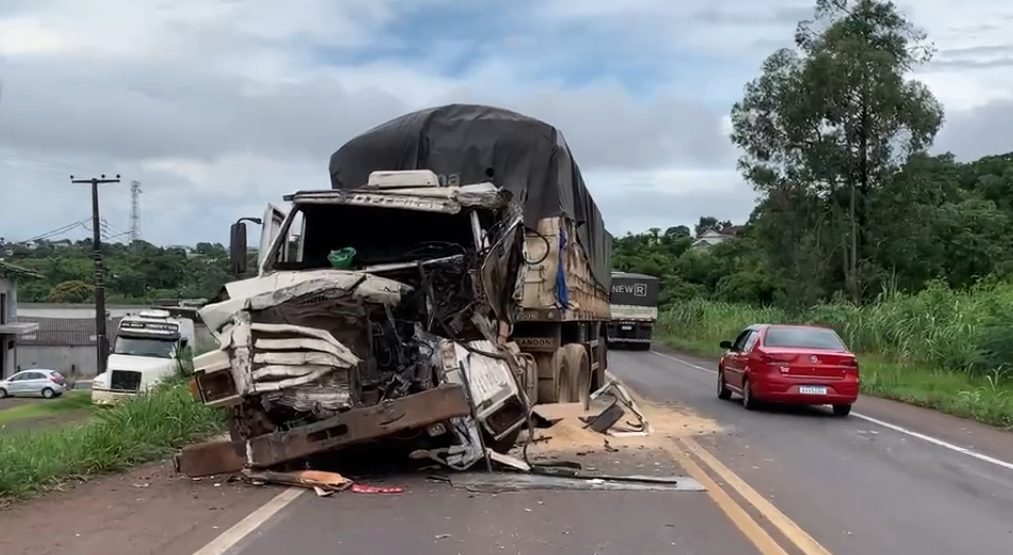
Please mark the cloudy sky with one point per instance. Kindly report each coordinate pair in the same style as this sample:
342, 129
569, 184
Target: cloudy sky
219, 106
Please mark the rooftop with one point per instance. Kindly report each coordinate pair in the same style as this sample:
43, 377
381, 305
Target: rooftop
65, 331
12, 270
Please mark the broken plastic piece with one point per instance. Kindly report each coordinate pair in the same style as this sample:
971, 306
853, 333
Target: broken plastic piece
607, 418
616, 390
507, 460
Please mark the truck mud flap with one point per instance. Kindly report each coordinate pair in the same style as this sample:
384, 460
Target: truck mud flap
358, 425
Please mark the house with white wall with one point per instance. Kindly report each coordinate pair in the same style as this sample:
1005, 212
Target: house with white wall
10, 328
710, 238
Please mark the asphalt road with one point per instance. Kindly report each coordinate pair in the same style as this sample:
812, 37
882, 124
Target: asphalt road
854, 485
813, 483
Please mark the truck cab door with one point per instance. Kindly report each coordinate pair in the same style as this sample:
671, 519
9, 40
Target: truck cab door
274, 218
498, 271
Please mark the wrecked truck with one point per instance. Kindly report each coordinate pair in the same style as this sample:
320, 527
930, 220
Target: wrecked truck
455, 274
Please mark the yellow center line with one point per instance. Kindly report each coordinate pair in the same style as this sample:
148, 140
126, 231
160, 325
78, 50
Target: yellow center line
739, 517
785, 525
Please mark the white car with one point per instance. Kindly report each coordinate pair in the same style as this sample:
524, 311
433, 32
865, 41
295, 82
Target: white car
37, 382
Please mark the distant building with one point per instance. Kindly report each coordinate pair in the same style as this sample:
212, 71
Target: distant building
83, 311
63, 344
65, 336
11, 329
713, 237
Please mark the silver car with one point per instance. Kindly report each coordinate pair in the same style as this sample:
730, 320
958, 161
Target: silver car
34, 383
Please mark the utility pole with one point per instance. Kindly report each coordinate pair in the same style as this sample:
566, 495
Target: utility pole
101, 340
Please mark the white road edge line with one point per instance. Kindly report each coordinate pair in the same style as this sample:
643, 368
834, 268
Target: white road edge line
939, 442
934, 441
254, 520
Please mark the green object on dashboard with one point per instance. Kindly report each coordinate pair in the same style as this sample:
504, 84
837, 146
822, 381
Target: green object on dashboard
341, 258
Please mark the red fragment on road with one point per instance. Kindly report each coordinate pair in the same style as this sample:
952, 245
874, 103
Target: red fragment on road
362, 488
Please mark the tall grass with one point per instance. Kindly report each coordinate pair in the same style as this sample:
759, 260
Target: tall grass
939, 347
137, 430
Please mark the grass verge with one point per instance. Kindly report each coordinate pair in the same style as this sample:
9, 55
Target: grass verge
72, 401
147, 428
984, 398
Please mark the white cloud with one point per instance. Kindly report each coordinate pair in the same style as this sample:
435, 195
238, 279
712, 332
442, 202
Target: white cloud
221, 105
27, 35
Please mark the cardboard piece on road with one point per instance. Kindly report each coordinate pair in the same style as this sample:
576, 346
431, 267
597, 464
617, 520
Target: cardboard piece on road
318, 480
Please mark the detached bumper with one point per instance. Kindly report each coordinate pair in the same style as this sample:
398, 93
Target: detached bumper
109, 396
359, 425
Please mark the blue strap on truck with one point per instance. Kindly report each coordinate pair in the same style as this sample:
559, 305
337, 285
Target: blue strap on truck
562, 293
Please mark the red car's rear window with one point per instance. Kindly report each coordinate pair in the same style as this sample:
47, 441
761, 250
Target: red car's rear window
803, 338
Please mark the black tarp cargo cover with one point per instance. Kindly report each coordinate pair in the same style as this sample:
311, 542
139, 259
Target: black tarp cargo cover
464, 144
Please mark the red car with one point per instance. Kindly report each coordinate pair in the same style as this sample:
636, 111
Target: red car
803, 365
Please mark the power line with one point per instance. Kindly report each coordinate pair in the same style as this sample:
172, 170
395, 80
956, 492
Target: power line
58, 231
54, 165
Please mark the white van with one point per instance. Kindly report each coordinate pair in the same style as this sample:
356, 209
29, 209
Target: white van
143, 354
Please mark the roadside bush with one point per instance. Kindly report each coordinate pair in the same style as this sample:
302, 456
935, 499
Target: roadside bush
135, 431
941, 348
963, 331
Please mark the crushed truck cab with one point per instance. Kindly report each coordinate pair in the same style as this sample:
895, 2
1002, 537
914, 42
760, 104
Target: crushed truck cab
408, 306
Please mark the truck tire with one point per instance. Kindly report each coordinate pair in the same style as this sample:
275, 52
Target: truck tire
576, 369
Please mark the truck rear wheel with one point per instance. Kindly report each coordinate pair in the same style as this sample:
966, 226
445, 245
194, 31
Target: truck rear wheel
575, 374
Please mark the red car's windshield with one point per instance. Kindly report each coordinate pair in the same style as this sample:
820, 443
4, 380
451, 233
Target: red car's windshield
803, 338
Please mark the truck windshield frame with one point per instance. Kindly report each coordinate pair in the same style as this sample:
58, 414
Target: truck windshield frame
456, 235
152, 347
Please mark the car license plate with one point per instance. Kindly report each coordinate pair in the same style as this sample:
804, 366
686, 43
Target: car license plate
626, 328
812, 390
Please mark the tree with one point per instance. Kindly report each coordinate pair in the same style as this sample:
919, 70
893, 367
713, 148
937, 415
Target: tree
71, 292
710, 223
677, 232
830, 121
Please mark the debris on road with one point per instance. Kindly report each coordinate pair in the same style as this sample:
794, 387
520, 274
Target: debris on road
313, 479
220, 456
607, 419
362, 488
502, 482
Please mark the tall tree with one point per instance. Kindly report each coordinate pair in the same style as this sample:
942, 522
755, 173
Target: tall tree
831, 120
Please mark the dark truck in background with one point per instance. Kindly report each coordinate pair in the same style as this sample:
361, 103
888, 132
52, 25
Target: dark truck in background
634, 306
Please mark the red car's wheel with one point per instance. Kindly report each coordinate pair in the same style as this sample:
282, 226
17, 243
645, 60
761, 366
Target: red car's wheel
748, 400
723, 392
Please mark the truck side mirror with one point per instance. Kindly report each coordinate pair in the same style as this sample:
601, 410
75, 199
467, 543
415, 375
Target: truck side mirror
237, 248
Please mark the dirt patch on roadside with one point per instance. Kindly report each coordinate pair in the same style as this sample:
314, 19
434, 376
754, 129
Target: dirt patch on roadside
150, 509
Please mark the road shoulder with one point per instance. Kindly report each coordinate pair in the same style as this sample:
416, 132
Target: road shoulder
149, 509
